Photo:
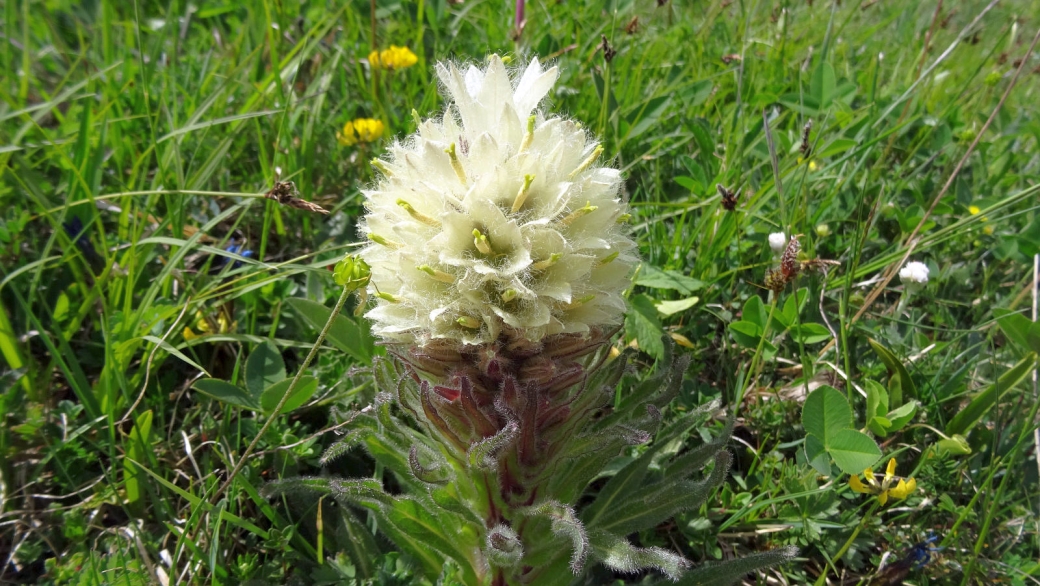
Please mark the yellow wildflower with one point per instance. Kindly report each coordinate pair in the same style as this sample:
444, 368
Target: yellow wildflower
393, 58
205, 324
974, 210
360, 130
884, 489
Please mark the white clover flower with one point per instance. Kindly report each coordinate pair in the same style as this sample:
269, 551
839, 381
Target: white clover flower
494, 219
778, 242
914, 275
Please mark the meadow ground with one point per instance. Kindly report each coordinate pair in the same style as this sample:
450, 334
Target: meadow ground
140, 256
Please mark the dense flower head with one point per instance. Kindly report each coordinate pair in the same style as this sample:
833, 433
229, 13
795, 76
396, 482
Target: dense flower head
778, 242
495, 219
360, 130
914, 275
393, 58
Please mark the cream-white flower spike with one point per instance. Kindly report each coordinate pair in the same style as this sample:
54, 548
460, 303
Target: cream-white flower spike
495, 219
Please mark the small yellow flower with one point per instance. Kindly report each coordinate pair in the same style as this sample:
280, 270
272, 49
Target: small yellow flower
360, 130
975, 210
393, 58
884, 489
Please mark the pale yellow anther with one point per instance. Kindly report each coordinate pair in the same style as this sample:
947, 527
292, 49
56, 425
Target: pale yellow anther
521, 197
380, 166
578, 213
596, 152
609, 258
544, 264
438, 275
481, 242
624, 218
456, 164
508, 295
468, 322
418, 217
416, 118
528, 135
388, 297
382, 241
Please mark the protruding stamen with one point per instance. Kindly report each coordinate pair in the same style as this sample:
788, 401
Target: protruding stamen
418, 217
380, 166
388, 297
441, 276
544, 264
508, 295
596, 152
468, 322
456, 164
383, 241
578, 213
624, 218
521, 197
609, 258
481, 242
529, 135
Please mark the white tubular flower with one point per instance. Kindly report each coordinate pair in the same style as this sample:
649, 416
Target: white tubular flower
495, 219
914, 275
778, 242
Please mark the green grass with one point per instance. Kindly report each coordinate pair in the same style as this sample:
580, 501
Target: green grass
137, 141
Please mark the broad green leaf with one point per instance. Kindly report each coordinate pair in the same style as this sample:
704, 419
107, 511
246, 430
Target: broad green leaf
137, 448
344, 334
1020, 330
822, 84
226, 392
956, 444
264, 368
816, 455
879, 425
274, 393
810, 333
900, 384
676, 306
746, 333
655, 278
853, 451
901, 416
825, 414
755, 312
788, 315
877, 399
969, 416
642, 324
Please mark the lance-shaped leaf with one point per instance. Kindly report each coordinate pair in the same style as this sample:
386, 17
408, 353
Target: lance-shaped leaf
661, 501
618, 554
564, 523
967, 418
730, 571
